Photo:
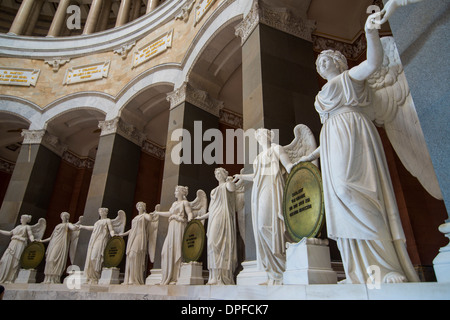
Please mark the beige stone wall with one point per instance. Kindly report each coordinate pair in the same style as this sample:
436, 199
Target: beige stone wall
50, 86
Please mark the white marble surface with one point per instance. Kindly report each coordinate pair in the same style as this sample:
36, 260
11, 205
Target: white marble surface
399, 291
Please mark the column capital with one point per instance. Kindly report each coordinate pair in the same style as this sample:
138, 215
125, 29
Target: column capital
128, 131
46, 139
199, 98
279, 18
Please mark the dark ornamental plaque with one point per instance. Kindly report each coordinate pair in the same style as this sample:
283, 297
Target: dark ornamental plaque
114, 251
303, 206
193, 241
32, 255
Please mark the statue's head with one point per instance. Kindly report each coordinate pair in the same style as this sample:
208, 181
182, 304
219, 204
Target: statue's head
65, 216
141, 205
263, 134
222, 172
25, 218
338, 58
183, 191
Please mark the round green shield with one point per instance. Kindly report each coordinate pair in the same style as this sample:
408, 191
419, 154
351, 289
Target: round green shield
114, 251
32, 255
303, 206
193, 241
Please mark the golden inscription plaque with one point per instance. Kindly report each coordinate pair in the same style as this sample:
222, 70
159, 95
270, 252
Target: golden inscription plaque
32, 255
303, 206
193, 241
114, 251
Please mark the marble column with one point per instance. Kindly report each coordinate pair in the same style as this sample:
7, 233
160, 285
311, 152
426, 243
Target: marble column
93, 16
22, 16
194, 111
59, 19
423, 48
34, 17
113, 178
124, 12
151, 5
279, 81
103, 19
31, 185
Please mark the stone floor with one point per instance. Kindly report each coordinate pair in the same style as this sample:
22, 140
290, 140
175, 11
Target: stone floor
403, 291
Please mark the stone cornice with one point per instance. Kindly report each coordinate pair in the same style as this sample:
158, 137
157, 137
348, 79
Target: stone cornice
78, 162
46, 139
198, 98
122, 128
153, 149
279, 18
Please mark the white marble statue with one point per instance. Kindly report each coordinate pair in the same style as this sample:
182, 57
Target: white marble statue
141, 241
360, 206
180, 213
21, 235
268, 179
102, 231
62, 243
221, 231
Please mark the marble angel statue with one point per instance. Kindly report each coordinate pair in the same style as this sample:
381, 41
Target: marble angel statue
21, 236
360, 205
62, 243
268, 177
180, 213
221, 230
102, 231
141, 241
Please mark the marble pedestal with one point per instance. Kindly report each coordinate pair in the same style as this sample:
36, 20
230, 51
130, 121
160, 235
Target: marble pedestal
154, 277
251, 274
441, 262
308, 262
109, 276
191, 273
26, 276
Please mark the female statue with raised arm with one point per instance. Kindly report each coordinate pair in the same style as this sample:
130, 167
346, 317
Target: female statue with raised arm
140, 241
267, 204
179, 214
21, 235
102, 231
221, 232
360, 206
58, 248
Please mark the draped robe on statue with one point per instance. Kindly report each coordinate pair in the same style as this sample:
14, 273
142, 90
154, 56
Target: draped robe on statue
221, 232
267, 213
56, 253
171, 253
137, 251
361, 210
10, 262
97, 244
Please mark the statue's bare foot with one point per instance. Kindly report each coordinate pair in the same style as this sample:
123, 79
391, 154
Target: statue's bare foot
394, 277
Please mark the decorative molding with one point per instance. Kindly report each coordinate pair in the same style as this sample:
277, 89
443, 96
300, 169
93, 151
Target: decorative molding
185, 11
201, 9
124, 49
153, 149
230, 118
56, 63
32, 136
78, 162
126, 130
197, 97
279, 18
351, 51
6, 166
46, 139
